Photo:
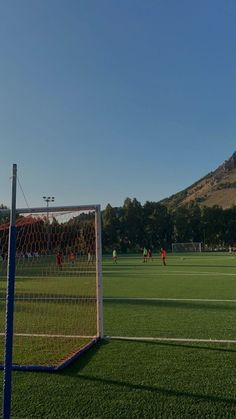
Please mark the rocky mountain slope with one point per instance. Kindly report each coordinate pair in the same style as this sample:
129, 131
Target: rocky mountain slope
216, 188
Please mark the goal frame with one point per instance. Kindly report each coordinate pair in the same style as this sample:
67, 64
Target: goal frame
197, 244
99, 287
8, 365
97, 210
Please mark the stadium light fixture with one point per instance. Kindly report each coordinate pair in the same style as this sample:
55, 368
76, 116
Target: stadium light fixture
48, 199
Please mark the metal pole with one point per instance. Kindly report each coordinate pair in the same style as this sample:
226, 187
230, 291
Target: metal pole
100, 332
48, 239
10, 303
48, 199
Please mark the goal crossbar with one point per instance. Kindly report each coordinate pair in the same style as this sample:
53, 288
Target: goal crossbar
38, 210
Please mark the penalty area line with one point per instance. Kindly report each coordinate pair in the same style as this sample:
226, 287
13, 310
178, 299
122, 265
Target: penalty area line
163, 339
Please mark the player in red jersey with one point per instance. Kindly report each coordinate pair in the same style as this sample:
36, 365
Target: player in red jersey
59, 260
163, 255
149, 254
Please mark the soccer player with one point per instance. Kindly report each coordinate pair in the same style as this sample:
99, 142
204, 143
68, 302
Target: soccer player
163, 255
59, 260
145, 254
72, 258
114, 256
89, 258
150, 254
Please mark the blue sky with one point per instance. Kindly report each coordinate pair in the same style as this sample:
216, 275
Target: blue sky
105, 99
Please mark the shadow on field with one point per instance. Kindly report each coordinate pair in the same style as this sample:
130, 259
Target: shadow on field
171, 304
156, 390
83, 360
77, 366
181, 345
75, 370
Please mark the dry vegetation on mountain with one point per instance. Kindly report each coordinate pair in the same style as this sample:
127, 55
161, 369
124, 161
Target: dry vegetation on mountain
216, 188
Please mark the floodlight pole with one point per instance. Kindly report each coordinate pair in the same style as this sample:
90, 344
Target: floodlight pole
48, 199
10, 303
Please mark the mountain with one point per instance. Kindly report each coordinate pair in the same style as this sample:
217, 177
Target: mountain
216, 188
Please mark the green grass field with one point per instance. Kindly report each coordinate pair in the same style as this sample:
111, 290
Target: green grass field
55, 310
193, 297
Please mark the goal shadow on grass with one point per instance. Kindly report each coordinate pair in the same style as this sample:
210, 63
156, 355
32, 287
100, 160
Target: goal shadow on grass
178, 345
79, 364
158, 390
76, 370
171, 303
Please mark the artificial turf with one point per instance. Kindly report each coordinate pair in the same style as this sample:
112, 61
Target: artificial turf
139, 379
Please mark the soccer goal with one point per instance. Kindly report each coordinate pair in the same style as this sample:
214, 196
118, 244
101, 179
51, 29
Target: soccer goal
186, 247
58, 289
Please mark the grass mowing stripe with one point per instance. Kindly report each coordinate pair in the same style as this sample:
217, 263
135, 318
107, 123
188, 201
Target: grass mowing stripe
167, 299
135, 273
170, 318
199, 273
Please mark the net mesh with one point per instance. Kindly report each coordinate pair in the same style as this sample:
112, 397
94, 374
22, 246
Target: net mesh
186, 247
55, 312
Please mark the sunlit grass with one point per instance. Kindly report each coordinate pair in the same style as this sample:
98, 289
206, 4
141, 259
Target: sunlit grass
126, 379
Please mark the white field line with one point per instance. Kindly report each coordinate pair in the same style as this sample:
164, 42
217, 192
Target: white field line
39, 335
168, 299
179, 256
58, 299
159, 339
60, 274
137, 338
166, 273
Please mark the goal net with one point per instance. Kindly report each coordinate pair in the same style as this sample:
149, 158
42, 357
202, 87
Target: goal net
186, 247
58, 301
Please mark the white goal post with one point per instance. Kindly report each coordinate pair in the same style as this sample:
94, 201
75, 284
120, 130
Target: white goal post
186, 247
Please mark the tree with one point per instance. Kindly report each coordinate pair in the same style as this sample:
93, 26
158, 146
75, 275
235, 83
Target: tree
4, 218
132, 225
182, 228
158, 226
229, 226
111, 228
213, 222
195, 222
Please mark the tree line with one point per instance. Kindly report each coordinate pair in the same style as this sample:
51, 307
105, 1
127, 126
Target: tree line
132, 227
38, 235
153, 225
